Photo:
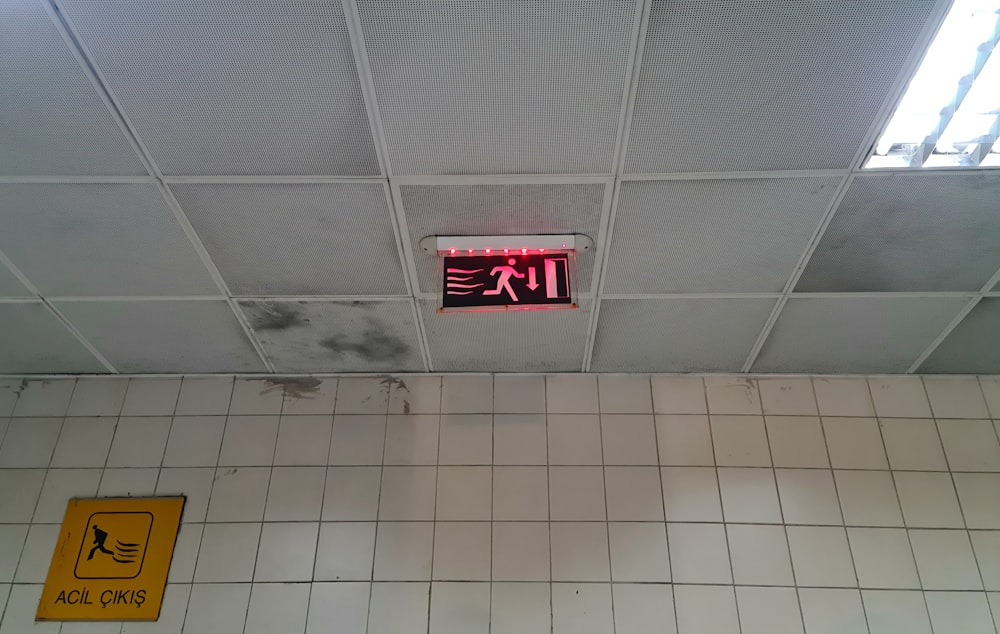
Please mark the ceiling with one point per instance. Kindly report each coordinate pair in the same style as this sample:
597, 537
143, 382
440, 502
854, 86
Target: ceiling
231, 186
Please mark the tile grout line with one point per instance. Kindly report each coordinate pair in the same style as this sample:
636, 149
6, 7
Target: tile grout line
437, 479
663, 506
322, 499
548, 497
607, 517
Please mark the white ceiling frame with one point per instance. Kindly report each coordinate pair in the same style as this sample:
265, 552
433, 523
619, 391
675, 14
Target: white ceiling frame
75, 180
694, 176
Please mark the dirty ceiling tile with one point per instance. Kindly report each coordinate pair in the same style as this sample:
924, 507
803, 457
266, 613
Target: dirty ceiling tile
32, 341
973, 347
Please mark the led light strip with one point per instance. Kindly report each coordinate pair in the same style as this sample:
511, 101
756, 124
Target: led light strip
489, 245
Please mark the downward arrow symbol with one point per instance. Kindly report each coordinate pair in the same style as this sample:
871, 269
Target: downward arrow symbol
532, 284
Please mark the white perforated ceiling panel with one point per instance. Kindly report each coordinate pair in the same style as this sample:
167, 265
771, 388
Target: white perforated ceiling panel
53, 122
973, 346
677, 334
167, 336
713, 235
355, 336
333, 239
99, 240
231, 87
32, 341
486, 86
855, 334
765, 84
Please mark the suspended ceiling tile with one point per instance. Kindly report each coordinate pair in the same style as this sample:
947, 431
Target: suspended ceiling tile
165, 336
765, 84
99, 240
498, 87
973, 347
516, 209
515, 341
53, 121
706, 236
854, 335
10, 286
931, 231
677, 334
32, 341
232, 87
329, 239
357, 336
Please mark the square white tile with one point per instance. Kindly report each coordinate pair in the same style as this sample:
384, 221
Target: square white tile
84, 442
945, 560
899, 397
854, 443
398, 608
407, 493
639, 552
460, 608
467, 394
749, 495
277, 607
581, 608
151, 397
759, 555
883, 558
574, 439
220, 608
684, 440
633, 494
913, 444
787, 397
11, 542
238, 494
691, 494
185, 556
357, 440
702, 609
19, 617
303, 440
624, 394
643, 608
571, 394
521, 608
462, 551
808, 496
991, 390
868, 498
97, 397
44, 397
986, 546
732, 395
256, 397
580, 551
61, 485
821, 557
309, 396
411, 439
205, 396
228, 553
769, 611
37, 553
832, 611
403, 551
965, 612
740, 441
466, 439
994, 602
970, 445
249, 441
955, 397
520, 493
363, 396
894, 611
10, 389
341, 605
629, 439
796, 441
521, 551
93, 627
351, 494
464, 493
699, 553
518, 394
678, 395
172, 613
843, 397
295, 494
576, 493
415, 395
928, 499
346, 552
519, 439
194, 441
287, 551
29, 442
139, 441
128, 482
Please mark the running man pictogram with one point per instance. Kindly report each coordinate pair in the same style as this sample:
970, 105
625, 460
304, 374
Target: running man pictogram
506, 272
124, 552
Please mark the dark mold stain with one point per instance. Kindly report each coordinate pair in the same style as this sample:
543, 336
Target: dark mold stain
375, 344
295, 387
391, 383
275, 316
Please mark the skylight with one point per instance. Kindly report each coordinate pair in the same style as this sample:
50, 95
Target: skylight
948, 116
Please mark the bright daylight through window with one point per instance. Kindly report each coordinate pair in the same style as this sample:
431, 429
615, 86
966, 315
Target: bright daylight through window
948, 116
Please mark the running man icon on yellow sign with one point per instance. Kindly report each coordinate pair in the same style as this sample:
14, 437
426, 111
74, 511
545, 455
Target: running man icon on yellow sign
117, 546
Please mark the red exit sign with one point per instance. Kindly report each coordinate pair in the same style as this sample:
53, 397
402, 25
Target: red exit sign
514, 280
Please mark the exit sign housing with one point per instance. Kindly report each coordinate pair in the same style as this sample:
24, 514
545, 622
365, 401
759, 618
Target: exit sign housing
508, 281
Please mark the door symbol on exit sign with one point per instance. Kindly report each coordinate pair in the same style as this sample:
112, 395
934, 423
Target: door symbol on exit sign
507, 280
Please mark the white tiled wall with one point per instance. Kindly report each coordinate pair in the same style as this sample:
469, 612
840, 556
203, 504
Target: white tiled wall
571, 504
